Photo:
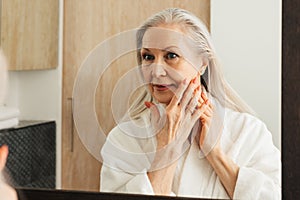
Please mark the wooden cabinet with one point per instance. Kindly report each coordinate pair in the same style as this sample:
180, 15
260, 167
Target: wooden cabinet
86, 24
29, 33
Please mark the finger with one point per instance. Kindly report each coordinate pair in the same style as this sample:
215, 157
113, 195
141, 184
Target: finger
194, 101
210, 105
178, 93
204, 96
3, 156
198, 78
200, 100
154, 112
208, 112
188, 93
204, 91
199, 111
204, 118
209, 109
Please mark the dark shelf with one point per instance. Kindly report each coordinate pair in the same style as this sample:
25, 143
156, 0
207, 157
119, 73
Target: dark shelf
32, 154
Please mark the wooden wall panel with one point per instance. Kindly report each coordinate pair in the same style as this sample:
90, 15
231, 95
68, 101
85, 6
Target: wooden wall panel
86, 24
29, 33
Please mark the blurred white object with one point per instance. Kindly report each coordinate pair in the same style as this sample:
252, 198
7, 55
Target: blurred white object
9, 123
3, 76
8, 117
8, 113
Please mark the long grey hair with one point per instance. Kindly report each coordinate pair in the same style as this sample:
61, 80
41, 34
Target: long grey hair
217, 86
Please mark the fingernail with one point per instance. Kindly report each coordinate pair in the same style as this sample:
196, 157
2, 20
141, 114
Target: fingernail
148, 104
195, 90
194, 80
206, 101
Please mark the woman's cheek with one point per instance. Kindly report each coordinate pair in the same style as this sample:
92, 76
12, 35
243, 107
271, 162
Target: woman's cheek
147, 79
146, 72
150, 88
176, 74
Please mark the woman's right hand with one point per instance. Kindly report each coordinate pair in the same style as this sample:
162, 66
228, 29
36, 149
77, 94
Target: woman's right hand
180, 115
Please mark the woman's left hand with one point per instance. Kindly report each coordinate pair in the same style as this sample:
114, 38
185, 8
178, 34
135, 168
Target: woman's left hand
205, 120
223, 165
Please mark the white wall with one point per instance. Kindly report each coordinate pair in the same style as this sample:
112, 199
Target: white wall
38, 96
247, 37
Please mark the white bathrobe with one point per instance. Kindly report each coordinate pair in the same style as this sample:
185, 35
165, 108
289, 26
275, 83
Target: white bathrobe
245, 139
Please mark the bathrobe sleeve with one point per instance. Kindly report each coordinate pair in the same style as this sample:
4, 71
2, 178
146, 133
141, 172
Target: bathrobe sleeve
259, 160
113, 180
125, 165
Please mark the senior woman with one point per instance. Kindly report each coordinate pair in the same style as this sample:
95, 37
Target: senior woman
189, 133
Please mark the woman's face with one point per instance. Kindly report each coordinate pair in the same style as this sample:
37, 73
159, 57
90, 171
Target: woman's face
168, 57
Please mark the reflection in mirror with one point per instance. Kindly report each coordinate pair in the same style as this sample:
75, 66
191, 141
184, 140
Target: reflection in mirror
77, 168
78, 44
186, 120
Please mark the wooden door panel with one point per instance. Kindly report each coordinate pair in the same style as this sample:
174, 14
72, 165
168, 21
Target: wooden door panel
86, 24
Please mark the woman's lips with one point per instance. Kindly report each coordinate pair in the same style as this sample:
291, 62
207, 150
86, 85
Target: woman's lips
162, 87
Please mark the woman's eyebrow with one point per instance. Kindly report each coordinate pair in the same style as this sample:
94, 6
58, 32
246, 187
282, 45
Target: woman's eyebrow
172, 48
145, 49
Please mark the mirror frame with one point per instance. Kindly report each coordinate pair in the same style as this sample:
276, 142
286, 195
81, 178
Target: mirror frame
38, 194
290, 117
290, 98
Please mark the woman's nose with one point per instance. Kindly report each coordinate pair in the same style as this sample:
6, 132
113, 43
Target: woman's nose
158, 69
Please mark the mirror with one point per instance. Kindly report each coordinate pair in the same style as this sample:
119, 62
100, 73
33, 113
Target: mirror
27, 89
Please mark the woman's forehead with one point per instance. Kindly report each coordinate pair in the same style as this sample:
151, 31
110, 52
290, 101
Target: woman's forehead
162, 38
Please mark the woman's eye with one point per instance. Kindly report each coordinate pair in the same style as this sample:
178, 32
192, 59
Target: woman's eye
147, 57
171, 55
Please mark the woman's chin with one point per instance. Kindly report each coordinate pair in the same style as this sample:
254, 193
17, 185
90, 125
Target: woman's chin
164, 99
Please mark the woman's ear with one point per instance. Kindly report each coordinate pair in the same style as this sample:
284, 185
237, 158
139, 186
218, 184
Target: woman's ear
203, 66
202, 70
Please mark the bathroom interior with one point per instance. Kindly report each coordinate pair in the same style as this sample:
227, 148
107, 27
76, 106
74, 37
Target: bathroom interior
46, 43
